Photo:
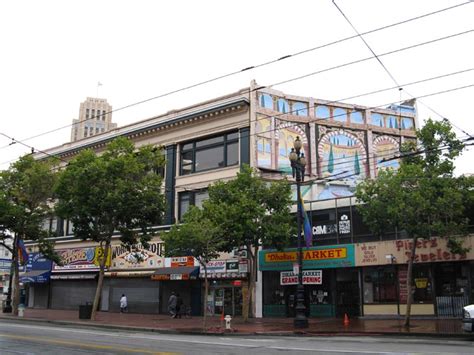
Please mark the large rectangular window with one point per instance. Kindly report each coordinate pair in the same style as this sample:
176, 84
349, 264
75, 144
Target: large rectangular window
380, 285
210, 153
191, 198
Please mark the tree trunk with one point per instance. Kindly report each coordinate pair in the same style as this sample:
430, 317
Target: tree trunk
409, 279
250, 286
15, 297
100, 281
206, 291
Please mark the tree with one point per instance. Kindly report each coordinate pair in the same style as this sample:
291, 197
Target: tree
26, 197
196, 236
118, 191
249, 212
422, 197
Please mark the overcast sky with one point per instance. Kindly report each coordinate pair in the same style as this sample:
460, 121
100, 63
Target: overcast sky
55, 52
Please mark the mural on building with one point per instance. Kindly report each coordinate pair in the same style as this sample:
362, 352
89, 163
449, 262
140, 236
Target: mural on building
385, 148
343, 154
274, 141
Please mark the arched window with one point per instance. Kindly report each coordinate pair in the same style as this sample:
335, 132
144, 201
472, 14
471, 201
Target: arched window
266, 101
322, 112
339, 114
357, 117
299, 109
283, 106
377, 119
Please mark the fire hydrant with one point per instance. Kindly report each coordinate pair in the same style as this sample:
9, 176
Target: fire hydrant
227, 322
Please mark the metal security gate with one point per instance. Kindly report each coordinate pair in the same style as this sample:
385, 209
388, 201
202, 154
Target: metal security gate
142, 294
70, 294
451, 306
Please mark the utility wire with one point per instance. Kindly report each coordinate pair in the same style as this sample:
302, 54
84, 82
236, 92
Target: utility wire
385, 68
328, 44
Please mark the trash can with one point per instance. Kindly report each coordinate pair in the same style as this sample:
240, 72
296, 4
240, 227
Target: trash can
21, 310
85, 311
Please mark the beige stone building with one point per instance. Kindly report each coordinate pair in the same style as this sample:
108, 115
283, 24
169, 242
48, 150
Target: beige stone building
95, 116
348, 268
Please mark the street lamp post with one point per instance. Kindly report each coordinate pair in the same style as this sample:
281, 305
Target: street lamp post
298, 164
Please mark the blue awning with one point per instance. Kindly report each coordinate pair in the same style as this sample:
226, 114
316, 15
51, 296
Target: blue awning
36, 276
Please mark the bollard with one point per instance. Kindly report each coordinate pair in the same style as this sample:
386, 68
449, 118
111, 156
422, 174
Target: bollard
227, 322
21, 310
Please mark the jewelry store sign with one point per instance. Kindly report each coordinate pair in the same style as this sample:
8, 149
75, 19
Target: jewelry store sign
310, 277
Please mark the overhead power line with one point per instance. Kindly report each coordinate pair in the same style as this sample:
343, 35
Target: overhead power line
284, 57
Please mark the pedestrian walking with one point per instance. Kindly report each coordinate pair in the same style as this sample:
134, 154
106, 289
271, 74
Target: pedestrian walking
172, 302
179, 305
123, 303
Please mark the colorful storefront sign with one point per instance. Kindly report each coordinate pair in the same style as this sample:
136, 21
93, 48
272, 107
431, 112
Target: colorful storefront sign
399, 251
138, 257
310, 277
315, 257
80, 259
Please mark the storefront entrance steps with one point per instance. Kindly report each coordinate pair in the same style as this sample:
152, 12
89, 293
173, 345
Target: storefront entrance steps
255, 326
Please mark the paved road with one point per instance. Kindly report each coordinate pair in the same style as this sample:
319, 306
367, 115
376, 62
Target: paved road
36, 338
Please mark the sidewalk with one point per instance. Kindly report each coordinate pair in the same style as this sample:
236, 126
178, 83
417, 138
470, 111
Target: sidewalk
261, 326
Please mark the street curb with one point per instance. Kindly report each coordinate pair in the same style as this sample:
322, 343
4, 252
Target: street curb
236, 333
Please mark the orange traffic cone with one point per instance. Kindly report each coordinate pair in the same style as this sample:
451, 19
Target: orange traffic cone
222, 314
346, 320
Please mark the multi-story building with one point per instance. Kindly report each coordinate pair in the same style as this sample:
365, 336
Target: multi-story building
5, 266
95, 116
349, 269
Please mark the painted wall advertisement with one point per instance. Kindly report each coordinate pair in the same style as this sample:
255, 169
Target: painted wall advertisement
399, 251
80, 259
137, 257
314, 257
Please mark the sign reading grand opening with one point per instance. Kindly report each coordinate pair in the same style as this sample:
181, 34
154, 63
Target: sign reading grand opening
310, 277
315, 257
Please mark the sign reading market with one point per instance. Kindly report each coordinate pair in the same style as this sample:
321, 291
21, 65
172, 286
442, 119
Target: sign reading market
323, 257
310, 277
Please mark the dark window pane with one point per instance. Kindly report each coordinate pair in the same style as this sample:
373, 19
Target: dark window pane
188, 146
210, 158
184, 202
232, 136
187, 163
232, 154
210, 141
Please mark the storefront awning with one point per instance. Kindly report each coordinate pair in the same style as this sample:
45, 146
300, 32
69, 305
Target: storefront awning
73, 276
138, 273
176, 273
36, 276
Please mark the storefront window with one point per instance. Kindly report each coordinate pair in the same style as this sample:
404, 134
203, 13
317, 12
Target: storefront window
380, 285
422, 285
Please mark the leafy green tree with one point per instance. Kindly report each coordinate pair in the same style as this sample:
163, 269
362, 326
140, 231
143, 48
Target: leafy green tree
249, 212
196, 236
26, 197
118, 191
422, 197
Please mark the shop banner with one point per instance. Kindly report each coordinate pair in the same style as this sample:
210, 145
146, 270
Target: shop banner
310, 277
80, 259
314, 257
137, 257
399, 251
181, 261
225, 269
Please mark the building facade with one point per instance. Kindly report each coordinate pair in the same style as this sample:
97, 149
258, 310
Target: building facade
210, 141
95, 116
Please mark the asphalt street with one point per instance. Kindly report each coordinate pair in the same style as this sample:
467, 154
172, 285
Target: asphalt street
38, 338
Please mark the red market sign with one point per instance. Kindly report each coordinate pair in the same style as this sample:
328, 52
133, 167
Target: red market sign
310, 277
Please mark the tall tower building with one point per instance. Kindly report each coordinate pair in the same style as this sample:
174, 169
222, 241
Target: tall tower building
95, 116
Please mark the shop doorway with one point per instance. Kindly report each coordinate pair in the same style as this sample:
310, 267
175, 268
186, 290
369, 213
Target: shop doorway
227, 300
347, 292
